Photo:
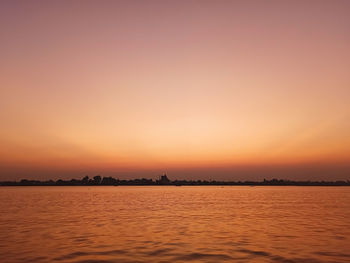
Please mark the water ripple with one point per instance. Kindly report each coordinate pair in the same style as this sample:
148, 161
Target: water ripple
175, 224
197, 256
94, 253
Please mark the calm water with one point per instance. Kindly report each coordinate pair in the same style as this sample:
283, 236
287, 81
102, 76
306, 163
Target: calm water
175, 224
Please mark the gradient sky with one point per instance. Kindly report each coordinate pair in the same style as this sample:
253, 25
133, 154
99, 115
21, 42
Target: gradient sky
200, 89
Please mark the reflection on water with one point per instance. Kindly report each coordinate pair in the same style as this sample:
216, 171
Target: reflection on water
174, 224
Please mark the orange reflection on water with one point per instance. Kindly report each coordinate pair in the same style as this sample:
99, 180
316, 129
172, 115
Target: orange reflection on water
175, 224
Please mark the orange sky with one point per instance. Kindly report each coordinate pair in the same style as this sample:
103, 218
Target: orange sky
201, 89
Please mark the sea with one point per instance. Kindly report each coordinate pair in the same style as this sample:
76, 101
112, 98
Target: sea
134, 224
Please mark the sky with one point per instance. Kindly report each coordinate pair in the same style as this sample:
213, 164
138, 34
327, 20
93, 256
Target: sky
224, 90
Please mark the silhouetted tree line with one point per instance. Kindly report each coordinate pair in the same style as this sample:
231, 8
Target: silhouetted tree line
163, 180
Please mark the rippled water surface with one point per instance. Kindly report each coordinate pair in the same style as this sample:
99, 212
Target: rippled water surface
174, 224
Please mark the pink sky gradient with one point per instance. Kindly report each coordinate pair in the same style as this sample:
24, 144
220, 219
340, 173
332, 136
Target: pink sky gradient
201, 89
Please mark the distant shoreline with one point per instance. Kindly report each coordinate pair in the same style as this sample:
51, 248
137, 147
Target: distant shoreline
252, 185
164, 181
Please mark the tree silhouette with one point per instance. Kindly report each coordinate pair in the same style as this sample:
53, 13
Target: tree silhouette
97, 179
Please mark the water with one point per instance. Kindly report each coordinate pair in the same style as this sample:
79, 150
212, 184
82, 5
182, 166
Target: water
175, 224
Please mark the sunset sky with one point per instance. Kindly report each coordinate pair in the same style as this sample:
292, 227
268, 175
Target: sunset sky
198, 89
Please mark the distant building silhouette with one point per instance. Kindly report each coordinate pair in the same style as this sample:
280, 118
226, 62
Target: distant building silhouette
164, 180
